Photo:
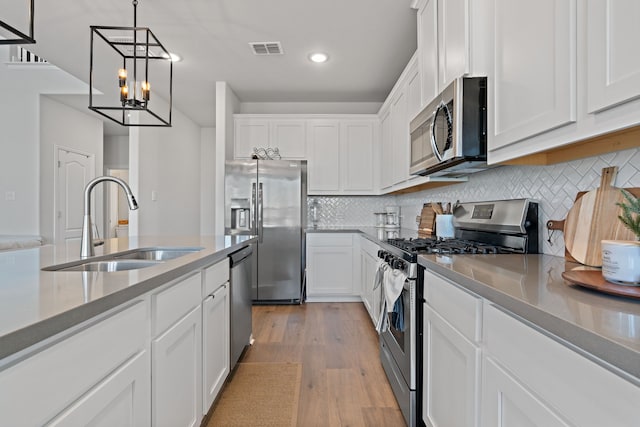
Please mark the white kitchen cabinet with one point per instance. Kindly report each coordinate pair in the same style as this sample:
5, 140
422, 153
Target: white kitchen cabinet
386, 158
324, 156
371, 298
101, 367
288, 135
532, 86
453, 40
176, 354
216, 344
575, 389
177, 373
358, 155
400, 136
330, 268
122, 399
250, 133
613, 65
451, 354
428, 50
507, 403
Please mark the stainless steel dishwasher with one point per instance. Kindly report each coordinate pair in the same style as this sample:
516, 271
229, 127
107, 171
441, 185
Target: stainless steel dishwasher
242, 278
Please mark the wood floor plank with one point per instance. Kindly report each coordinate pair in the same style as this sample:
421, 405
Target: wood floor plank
383, 417
314, 400
345, 398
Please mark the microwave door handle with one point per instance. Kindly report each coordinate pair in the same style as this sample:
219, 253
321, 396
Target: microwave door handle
434, 146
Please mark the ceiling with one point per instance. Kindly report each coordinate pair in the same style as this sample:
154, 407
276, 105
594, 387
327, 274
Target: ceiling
368, 43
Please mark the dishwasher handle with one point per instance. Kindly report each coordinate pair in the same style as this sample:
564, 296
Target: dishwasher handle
239, 256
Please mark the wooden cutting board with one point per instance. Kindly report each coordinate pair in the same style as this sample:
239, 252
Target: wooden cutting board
593, 279
594, 217
427, 221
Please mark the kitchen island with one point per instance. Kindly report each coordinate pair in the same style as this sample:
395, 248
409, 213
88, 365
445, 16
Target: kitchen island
76, 345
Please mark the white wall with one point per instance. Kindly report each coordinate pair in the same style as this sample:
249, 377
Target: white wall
116, 152
63, 126
227, 103
165, 161
207, 180
20, 87
310, 107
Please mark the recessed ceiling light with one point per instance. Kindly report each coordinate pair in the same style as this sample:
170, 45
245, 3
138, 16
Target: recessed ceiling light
319, 57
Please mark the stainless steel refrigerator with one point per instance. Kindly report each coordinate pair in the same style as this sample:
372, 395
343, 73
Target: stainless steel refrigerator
268, 198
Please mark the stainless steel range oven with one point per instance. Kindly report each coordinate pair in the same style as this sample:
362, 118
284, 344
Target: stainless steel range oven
495, 227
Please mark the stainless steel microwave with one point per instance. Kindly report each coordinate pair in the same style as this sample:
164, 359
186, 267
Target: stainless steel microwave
449, 136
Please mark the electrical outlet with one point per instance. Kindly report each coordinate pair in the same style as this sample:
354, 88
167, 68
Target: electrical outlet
154, 195
10, 195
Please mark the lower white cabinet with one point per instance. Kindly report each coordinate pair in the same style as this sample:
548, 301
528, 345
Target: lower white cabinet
330, 267
176, 369
101, 370
371, 298
215, 344
506, 402
451, 374
121, 399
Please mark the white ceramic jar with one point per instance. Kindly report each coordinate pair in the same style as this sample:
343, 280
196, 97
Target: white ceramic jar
621, 261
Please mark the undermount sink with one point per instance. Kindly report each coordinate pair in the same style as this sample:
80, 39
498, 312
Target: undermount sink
107, 265
156, 254
130, 260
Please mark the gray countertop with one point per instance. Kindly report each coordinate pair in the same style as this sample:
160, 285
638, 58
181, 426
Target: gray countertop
36, 304
532, 288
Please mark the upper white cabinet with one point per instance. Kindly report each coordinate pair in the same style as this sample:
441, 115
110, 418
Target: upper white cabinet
358, 155
400, 137
386, 169
452, 42
563, 71
288, 136
532, 88
324, 156
613, 62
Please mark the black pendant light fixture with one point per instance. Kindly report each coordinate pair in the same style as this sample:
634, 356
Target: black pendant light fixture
10, 32
133, 59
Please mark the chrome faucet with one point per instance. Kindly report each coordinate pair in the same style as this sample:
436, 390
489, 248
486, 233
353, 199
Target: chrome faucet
86, 245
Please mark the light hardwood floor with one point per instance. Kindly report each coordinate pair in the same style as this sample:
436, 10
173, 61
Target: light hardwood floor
343, 383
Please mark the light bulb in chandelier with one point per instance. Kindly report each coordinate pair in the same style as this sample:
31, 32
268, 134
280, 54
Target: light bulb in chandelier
145, 87
124, 94
122, 77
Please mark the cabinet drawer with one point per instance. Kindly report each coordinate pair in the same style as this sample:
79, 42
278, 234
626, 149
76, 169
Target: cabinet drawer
462, 309
174, 302
35, 390
215, 276
582, 391
329, 239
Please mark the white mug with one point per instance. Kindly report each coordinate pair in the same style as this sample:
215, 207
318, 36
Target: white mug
621, 261
444, 226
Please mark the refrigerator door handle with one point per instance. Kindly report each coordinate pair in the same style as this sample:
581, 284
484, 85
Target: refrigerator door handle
260, 207
252, 208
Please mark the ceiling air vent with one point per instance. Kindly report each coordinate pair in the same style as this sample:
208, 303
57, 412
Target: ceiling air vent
266, 48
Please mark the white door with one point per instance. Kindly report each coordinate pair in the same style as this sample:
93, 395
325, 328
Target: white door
74, 171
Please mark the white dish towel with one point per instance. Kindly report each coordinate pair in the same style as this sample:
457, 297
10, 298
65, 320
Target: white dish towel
392, 285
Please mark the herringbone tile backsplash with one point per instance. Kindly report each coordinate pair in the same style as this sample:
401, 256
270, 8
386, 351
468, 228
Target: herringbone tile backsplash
554, 187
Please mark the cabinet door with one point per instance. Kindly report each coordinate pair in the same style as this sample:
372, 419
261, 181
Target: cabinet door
451, 375
356, 141
290, 137
122, 399
324, 156
329, 270
453, 41
177, 373
506, 403
401, 137
216, 345
534, 69
386, 162
428, 43
613, 72
250, 133
413, 92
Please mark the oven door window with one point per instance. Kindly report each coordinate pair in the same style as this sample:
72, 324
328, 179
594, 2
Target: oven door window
442, 130
399, 334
